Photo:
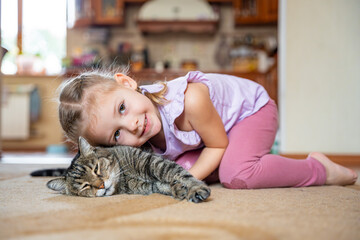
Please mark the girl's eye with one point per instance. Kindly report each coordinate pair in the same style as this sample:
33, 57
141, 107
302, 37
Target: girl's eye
122, 108
121, 111
116, 135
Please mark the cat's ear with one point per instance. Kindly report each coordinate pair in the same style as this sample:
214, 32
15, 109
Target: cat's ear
85, 148
57, 184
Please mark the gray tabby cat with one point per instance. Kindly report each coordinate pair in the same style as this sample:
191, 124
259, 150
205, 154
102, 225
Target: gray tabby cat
100, 171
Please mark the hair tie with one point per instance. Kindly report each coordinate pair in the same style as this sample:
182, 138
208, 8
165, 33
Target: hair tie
143, 91
82, 78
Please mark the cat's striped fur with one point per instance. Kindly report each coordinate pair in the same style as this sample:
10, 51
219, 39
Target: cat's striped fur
99, 171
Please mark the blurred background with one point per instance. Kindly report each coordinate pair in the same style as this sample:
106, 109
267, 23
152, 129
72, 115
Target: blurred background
305, 53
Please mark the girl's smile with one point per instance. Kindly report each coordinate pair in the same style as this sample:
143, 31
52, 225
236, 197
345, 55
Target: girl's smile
146, 126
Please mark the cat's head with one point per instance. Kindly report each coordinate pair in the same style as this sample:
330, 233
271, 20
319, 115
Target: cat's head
92, 173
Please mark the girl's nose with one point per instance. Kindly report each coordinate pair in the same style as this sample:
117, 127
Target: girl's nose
133, 125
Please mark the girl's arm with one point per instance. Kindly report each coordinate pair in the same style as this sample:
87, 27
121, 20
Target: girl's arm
200, 115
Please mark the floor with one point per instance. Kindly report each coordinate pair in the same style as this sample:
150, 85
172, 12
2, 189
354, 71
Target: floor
35, 158
29, 210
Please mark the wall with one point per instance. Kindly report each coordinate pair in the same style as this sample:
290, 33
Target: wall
174, 47
48, 130
320, 76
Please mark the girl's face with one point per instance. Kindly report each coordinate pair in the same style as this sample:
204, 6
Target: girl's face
125, 117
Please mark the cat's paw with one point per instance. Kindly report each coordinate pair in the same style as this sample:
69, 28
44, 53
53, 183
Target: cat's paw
179, 190
198, 193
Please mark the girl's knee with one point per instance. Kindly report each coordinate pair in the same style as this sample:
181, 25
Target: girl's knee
235, 180
235, 183
235, 177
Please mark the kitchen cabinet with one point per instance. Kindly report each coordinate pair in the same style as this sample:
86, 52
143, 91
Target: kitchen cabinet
84, 13
109, 12
177, 16
148, 76
79, 13
210, 1
178, 26
268, 79
255, 12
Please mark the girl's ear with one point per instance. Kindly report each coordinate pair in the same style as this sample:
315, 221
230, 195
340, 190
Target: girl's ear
125, 81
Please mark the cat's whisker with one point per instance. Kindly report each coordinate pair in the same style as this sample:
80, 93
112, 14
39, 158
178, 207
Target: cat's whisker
121, 172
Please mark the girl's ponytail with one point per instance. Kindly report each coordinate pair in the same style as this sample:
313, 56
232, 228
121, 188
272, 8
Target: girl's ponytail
157, 97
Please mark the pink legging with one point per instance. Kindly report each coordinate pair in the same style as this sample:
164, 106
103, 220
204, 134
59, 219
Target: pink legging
247, 164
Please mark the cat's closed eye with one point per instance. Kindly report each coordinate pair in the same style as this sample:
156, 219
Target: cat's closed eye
85, 186
97, 170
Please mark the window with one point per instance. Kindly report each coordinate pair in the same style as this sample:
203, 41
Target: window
38, 45
9, 26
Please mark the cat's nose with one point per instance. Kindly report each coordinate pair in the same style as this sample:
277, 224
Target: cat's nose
102, 186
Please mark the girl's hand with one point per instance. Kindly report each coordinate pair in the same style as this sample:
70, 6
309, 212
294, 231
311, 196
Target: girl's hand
200, 115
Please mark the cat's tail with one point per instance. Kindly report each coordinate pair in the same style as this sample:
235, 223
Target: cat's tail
51, 172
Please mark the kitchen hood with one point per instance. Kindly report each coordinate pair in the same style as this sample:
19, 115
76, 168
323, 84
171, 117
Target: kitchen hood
177, 15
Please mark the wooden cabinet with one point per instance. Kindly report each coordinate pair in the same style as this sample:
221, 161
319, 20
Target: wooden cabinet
79, 13
84, 13
178, 26
252, 12
148, 76
268, 79
109, 12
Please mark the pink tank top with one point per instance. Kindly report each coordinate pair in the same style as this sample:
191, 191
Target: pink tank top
234, 99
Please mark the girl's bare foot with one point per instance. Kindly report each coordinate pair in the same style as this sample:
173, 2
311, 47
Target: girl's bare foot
335, 173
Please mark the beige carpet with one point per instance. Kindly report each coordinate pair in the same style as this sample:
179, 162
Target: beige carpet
28, 210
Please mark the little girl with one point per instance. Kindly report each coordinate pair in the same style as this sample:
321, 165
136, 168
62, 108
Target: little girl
208, 123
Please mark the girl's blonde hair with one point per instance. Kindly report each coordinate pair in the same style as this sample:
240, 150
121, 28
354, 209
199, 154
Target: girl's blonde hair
78, 97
